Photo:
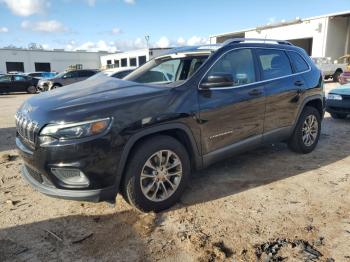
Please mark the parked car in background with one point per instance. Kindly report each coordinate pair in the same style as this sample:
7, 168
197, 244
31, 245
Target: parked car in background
187, 109
18, 83
344, 78
329, 69
41, 75
66, 78
338, 102
120, 74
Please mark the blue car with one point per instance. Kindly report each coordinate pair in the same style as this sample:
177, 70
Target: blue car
338, 102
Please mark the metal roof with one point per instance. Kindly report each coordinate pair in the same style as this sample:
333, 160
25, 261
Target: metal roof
284, 23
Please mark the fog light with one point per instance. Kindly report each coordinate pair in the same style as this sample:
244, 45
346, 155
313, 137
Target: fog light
71, 176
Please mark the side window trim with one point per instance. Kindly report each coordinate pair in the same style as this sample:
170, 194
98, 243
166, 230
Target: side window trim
257, 82
293, 67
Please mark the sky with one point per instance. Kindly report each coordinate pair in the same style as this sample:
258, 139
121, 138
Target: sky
112, 25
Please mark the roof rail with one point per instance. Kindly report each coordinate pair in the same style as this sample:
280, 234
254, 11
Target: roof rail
261, 40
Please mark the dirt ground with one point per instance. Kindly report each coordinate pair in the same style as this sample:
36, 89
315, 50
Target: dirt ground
266, 205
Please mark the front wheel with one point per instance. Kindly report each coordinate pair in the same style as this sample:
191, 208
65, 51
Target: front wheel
157, 174
307, 131
31, 90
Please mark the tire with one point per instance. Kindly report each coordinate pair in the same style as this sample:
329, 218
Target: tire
336, 76
134, 189
338, 116
296, 142
54, 87
31, 90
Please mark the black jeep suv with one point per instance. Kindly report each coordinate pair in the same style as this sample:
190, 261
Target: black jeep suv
142, 136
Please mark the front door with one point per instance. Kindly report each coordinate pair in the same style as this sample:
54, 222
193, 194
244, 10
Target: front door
232, 114
5, 83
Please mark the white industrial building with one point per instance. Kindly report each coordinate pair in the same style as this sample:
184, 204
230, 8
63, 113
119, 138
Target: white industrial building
321, 36
131, 59
27, 60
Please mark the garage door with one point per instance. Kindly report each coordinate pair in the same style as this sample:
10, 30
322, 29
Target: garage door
14, 66
46, 67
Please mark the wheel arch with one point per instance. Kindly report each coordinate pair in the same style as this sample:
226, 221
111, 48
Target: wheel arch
316, 101
176, 130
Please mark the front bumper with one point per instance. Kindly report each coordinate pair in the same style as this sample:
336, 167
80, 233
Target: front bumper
38, 182
95, 158
338, 106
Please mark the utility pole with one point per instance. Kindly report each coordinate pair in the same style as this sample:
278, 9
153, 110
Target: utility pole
147, 40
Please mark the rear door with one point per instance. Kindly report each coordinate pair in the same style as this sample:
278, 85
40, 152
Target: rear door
20, 83
232, 114
282, 88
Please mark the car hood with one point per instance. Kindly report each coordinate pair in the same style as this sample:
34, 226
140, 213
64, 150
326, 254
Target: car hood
87, 97
342, 90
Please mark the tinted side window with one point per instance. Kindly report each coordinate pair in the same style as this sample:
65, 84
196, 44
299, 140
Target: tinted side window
239, 63
71, 74
6, 78
274, 63
19, 78
86, 73
298, 62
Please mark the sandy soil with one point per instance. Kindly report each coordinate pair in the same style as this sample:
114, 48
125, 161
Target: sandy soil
266, 205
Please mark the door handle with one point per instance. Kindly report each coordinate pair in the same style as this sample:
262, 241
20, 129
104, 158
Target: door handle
299, 83
255, 92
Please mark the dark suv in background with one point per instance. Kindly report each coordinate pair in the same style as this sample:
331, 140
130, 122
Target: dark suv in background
65, 78
142, 136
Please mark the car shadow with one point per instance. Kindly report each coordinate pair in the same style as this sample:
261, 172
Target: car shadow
7, 136
266, 165
79, 237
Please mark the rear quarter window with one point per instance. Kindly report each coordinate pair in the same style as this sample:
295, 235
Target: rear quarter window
298, 62
274, 63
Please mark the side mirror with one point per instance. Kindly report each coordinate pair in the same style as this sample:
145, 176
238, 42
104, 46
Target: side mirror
217, 80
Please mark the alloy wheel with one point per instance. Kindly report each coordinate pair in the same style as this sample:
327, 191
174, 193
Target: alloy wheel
161, 175
310, 130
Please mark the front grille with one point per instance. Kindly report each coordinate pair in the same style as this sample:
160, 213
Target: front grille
346, 97
34, 174
26, 128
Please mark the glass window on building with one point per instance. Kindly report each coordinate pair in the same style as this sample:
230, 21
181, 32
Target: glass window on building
132, 61
124, 62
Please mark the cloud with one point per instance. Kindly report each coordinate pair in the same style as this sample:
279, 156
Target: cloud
197, 40
91, 2
163, 42
271, 20
116, 31
49, 26
130, 2
138, 43
26, 7
4, 29
100, 45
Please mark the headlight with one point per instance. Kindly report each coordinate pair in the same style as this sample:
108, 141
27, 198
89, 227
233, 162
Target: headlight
334, 97
76, 130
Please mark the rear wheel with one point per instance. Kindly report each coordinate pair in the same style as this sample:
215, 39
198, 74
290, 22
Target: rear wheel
31, 90
338, 116
54, 87
157, 174
307, 131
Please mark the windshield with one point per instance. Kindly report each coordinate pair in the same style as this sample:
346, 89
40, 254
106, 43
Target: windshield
169, 69
60, 74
